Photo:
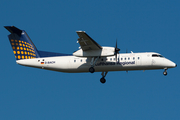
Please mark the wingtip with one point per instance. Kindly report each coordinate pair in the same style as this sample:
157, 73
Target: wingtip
80, 31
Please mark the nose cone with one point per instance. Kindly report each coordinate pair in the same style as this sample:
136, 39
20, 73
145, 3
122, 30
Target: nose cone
169, 64
173, 65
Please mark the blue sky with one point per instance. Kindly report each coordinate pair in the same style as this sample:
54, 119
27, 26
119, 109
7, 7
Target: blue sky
140, 26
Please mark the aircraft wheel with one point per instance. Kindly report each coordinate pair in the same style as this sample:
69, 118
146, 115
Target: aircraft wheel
91, 70
165, 73
103, 80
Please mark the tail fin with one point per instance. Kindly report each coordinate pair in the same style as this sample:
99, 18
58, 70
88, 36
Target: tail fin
22, 45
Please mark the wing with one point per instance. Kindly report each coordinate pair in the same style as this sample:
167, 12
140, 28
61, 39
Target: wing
86, 42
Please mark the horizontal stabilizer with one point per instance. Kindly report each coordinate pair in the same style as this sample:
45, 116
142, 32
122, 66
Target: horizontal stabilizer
13, 29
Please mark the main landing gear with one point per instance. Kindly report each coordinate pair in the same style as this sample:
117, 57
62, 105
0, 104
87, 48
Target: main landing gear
93, 62
103, 80
92, 70
165, 72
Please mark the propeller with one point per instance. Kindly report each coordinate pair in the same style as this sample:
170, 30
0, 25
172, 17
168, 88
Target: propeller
116, 50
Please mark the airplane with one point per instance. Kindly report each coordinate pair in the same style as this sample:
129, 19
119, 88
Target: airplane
91, 57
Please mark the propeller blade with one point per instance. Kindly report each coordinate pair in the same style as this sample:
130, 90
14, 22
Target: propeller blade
116, 50
116, 43
116, 57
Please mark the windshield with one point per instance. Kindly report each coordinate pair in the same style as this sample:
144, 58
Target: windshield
156, 55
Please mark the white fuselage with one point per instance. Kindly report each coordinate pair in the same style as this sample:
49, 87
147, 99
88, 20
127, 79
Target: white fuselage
125, 62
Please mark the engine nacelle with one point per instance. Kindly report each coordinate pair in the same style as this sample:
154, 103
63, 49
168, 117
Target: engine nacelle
105, 51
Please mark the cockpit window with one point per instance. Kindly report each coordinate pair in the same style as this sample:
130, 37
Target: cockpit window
156, 55
161, 56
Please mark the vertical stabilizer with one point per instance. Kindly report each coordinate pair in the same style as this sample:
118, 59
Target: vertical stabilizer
22, 45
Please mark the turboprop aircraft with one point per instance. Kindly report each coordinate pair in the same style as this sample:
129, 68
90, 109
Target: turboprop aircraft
91, 57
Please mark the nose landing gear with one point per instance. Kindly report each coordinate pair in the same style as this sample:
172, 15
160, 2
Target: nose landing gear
165, 72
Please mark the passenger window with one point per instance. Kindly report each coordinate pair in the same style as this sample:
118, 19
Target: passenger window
124, 58
111, 59
121, 58
128, 58
138, 58
81, 60
133, 58
114, 58
74, 60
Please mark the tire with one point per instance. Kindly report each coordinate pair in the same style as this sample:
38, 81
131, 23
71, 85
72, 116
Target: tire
165, 73
102, 80
91, 70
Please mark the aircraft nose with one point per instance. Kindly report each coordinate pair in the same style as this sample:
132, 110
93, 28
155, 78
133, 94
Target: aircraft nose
174, 64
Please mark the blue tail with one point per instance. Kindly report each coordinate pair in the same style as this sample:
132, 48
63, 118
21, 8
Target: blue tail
22, 45
24, 48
